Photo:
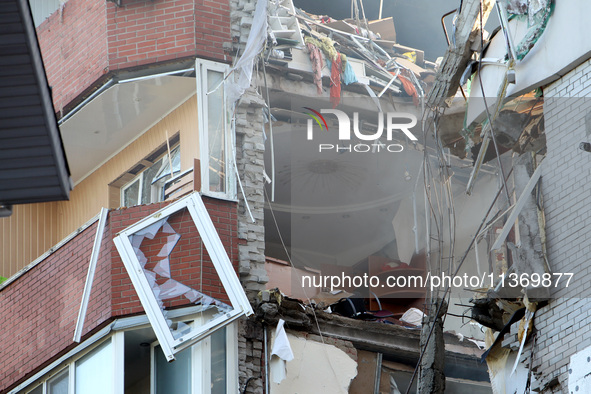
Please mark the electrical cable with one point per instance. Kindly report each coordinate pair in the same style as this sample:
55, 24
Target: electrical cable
303, 288
498, 104
447, 288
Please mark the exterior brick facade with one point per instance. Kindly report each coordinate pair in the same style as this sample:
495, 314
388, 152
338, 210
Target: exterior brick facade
87, 39
566, 183
41, 307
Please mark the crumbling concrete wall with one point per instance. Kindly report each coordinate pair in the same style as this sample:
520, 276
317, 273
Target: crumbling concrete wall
249, 159
250, 149
529, 257
566, 187
431, 376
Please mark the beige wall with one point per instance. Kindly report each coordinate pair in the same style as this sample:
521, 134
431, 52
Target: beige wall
34, 228
316, 368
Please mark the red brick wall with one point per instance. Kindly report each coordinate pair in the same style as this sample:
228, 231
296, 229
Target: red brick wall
93, 37
73, 43
40, 308
185, 259
212, 28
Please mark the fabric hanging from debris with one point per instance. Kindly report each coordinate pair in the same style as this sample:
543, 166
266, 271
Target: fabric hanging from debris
413, 316
317, 64
281, 353
325, 44
335, 81
243, 68
349, 76
409, 88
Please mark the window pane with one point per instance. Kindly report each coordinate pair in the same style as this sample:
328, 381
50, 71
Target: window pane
218, 362
130, 195
174, 377
58, 384
216, 132
37, 390
148, 175
94, 372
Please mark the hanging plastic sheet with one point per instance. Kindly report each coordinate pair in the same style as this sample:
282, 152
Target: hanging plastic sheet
243, 69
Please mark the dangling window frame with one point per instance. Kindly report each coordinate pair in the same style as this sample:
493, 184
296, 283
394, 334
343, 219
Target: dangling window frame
221, 262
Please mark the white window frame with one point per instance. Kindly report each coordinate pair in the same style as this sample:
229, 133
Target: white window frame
219, 257
201, 363
201, 68
140, 177
117, 349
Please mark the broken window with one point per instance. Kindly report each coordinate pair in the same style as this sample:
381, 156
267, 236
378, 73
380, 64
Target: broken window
159, 253
148, 186
215, 134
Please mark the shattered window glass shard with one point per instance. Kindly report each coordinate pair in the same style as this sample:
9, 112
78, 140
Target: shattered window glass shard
171, 289
151, 230
167, 256
154, 246
170, 243
163, 268
165, 169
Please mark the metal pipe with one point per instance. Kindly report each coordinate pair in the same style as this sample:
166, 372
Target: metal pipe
158, 75
86, 101
5, 210
266, 359
448, 42
376, 388
112, 82
505, 26
477, 164
443, 24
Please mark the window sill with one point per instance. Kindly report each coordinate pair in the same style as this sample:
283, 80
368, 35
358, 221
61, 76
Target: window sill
219, 196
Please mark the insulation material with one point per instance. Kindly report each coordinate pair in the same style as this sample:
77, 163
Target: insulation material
254, 45
579, 377
538, 14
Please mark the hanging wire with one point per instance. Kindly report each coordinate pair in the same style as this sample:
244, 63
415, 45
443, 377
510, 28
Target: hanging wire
498, 104
447, 288
288, 254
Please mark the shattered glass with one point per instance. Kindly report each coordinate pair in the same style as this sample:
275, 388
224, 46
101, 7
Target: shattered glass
155, 247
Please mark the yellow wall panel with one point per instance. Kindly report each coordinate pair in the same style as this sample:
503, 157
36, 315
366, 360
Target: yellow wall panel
34, 228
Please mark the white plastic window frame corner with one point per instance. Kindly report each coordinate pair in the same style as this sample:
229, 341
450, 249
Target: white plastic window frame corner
213, 244
202, 66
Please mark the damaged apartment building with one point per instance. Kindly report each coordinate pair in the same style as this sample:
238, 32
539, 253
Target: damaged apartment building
526, 113
220, 154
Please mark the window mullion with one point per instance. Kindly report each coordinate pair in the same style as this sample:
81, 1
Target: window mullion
72, 377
